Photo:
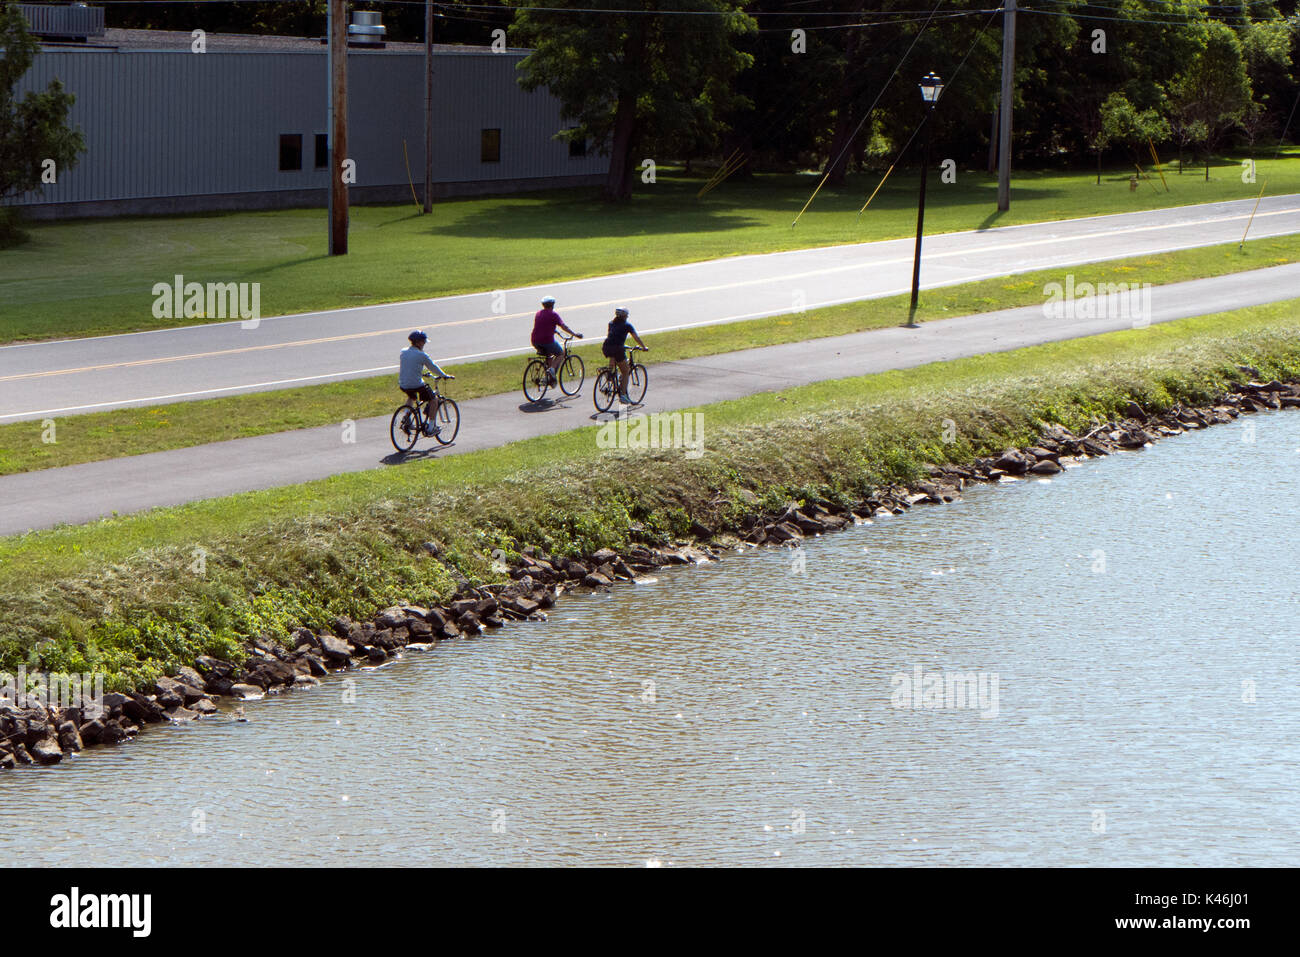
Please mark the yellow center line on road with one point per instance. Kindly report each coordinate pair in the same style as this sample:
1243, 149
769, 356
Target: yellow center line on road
1124, 231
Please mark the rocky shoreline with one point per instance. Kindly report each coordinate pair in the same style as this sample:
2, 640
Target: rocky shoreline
38, 735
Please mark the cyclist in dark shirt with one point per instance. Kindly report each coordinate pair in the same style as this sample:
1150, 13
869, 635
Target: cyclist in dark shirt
619, 330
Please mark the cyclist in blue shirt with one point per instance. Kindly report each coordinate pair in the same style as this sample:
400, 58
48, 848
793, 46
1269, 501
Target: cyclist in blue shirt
619, 330
410, 377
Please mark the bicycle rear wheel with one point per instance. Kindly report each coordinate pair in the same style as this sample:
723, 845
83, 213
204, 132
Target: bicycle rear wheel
535, 380
404, 430
604, 391
638, 380
446, 422
572, 374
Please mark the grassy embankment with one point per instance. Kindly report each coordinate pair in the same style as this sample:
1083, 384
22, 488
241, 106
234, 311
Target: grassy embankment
136, 595
92, 277
104, 435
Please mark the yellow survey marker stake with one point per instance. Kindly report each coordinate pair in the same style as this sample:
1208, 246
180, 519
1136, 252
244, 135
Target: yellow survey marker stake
810, 200
729, 166
1156, 159
876, 190
409, 181
1242, 245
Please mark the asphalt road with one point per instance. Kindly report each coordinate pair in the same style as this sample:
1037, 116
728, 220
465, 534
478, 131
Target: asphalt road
57, 378
82, 493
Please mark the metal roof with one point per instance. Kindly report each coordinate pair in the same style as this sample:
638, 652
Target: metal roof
179, 41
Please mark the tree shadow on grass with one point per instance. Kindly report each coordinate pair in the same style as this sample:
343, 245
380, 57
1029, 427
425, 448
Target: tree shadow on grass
677, 211
286, 264
589, 221
400, 219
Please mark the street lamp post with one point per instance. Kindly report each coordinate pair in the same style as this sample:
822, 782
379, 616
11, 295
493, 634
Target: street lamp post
931, 89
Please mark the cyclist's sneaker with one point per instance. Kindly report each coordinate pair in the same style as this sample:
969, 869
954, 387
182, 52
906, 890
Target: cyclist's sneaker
550, 377
430, 428
624, 399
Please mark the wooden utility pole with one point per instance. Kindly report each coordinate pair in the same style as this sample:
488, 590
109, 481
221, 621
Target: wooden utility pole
1008, 90
338, 146
428, 106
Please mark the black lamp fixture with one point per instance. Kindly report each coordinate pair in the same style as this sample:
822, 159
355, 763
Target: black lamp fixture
931, 88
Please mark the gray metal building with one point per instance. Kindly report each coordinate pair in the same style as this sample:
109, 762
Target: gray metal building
242, 125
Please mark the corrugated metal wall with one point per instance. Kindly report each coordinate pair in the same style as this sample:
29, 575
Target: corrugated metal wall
171, 123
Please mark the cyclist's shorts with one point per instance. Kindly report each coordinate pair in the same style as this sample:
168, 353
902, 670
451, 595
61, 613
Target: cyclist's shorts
424, 393
552, 348
611, 351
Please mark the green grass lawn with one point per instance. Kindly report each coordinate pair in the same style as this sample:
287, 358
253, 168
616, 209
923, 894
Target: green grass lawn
128, 595
103, 435
93, 277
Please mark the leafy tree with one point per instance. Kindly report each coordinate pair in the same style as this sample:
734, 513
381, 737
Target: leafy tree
863, 73
1186, 131
33, 129
633, 79
786, 93
1123, 123
1266, 46
1209, 98
1255, 122
299, 18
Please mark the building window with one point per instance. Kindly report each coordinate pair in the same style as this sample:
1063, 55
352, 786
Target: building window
489, 150
290, 151
322, 150
577, 148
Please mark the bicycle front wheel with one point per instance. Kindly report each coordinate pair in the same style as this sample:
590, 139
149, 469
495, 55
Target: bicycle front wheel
638, 380
535, 380
572, 374
404, 430
604, 391
447, 422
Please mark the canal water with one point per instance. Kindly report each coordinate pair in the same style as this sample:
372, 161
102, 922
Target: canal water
1099, 669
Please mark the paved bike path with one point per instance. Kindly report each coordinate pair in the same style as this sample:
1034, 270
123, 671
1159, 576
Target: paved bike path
82, 493
150, 368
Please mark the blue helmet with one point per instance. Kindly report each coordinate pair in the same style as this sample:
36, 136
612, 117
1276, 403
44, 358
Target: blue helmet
418, 336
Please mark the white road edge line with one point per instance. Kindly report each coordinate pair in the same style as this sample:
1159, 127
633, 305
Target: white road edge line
709, 262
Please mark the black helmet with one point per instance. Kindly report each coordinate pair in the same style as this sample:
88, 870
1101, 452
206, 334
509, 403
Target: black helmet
418, 336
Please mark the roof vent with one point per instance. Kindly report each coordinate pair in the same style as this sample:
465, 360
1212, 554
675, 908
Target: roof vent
72, 22
366, 29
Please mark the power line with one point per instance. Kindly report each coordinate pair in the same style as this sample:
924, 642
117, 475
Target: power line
1172, 22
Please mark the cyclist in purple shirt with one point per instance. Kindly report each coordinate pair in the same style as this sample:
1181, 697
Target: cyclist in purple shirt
544, 341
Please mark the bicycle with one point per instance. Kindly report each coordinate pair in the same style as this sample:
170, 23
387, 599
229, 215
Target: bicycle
409, 421
606, 388
571, 370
